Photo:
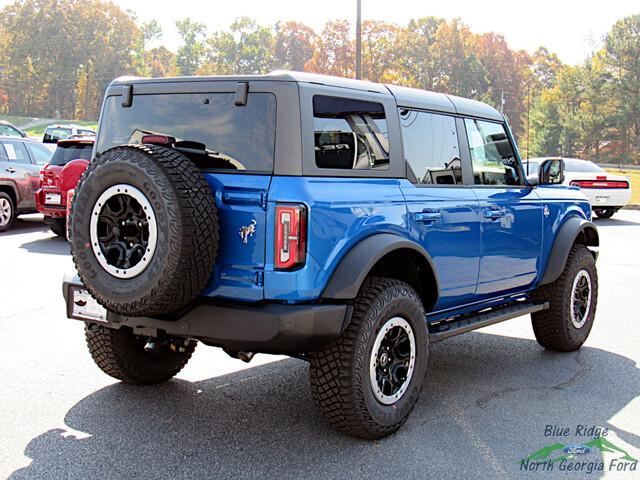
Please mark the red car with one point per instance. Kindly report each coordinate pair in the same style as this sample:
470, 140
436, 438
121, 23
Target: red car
61, 175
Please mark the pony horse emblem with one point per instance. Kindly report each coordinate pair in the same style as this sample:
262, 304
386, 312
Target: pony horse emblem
248, 231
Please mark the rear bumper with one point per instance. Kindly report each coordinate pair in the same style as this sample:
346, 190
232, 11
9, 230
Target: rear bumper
51, 210
607, 197
266, 328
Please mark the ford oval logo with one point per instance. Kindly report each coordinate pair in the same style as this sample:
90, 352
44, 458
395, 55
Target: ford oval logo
576, 449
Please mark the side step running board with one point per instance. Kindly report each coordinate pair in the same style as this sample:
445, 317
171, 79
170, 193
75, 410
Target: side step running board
465, 324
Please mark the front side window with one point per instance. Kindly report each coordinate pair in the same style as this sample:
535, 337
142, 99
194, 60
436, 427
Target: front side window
16, 152
350, 134
431, 149
494, 161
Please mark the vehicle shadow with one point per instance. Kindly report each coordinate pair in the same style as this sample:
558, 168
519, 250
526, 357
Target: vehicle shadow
614, 222
485, 406
26, 224
53, 245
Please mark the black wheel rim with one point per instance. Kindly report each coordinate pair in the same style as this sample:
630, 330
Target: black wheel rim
392, 360
123, 231
580, 298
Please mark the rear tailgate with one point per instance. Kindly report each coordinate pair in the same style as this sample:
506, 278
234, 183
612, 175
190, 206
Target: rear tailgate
241, 202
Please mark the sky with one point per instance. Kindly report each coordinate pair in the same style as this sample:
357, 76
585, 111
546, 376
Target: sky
570, 28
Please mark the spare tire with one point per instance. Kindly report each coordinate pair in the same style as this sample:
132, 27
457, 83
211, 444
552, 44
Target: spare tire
144, 230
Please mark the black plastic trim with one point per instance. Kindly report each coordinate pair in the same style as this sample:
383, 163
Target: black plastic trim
266, 328
565, 239
358, 262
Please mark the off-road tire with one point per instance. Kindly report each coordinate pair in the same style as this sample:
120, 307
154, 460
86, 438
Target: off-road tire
187, 230
339, 373
605, 212
553, 328
120, 354
12, 215
58, 226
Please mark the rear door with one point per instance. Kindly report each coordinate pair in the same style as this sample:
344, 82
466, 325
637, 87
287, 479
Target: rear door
511, 212
26, 174
442, 212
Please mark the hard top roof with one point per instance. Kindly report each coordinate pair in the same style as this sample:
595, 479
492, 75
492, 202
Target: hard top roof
405, 97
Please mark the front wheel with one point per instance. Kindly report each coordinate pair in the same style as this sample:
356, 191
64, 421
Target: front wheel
573, 297
121, 355
367, 381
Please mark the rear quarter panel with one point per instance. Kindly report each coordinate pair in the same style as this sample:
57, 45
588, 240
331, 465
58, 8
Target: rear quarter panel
342, 212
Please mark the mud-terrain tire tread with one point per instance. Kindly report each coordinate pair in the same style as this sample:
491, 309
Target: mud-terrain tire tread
200, 235
552, 327
112, 352
338, 398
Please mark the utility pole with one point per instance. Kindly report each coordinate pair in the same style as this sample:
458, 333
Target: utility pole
359, 40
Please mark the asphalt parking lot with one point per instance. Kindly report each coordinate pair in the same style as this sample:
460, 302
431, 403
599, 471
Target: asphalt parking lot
488, 399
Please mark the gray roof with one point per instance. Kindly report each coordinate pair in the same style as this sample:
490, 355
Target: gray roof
405, 97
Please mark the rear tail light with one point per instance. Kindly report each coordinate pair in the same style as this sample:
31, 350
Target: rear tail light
41, 175
291, 236
600, 183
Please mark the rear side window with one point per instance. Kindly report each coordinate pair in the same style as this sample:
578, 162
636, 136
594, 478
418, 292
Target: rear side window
494, 161
9, 131
39, 153
350, 134
430, 143
208, 127
65, 153
16, 152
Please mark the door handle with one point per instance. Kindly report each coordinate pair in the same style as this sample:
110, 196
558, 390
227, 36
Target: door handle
494, 213
10, 170
428, 215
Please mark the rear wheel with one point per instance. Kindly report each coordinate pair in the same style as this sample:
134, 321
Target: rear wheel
121, 354
367, 381
58, 226
605, 212
7, 212
573, 298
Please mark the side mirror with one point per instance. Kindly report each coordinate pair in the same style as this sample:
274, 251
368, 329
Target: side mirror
551, 172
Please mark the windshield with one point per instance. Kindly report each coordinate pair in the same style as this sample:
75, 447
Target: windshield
210, 128
65, 153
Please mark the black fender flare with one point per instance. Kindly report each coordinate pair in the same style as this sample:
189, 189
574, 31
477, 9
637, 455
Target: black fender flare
569, 232
11, 186
346, 280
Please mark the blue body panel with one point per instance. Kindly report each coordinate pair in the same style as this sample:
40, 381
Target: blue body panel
479, 258
240, 199
453, 240
342, 212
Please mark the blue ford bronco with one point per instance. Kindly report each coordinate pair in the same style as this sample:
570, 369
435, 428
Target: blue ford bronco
346, 223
